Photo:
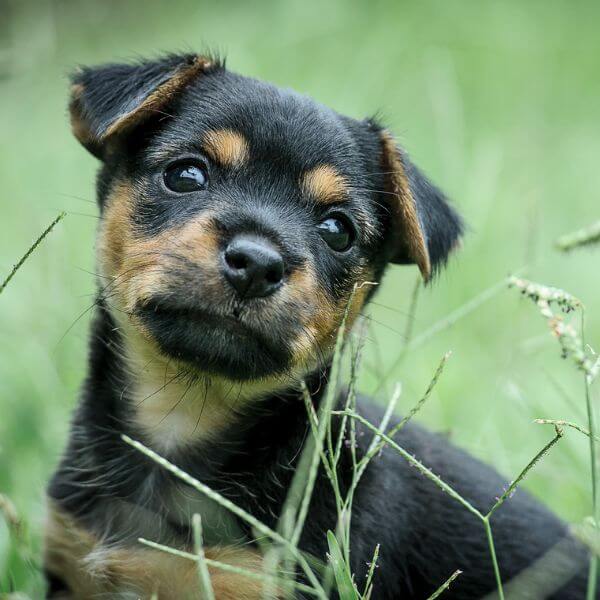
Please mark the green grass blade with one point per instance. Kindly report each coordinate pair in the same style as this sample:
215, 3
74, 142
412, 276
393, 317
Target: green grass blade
513, 485
371, 573
32, 248
444, 585
341, 570
215, 564
582, 237
203, 574
420, 466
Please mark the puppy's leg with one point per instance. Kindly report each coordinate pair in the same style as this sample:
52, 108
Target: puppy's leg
66, 546
79, 566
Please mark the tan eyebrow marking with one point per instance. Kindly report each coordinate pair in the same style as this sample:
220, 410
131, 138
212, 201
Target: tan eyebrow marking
325, 184
227, 147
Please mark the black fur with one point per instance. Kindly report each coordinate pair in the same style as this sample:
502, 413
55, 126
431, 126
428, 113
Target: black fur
424, 534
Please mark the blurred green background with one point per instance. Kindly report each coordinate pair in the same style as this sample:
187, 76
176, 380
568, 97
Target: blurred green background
498, 101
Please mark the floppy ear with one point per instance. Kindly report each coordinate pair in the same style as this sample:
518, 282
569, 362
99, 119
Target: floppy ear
425, 228
110, 99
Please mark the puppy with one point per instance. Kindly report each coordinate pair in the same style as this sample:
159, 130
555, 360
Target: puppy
237, 219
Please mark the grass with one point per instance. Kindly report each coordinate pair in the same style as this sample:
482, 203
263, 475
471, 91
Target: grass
499, 102
30, 251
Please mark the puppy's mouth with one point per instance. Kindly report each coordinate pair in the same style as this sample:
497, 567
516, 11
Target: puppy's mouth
214, 343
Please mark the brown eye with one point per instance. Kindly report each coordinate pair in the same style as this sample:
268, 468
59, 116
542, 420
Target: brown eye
337, 233
185, 177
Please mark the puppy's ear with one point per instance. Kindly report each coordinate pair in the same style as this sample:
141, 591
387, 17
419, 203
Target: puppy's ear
110, 99
425, 228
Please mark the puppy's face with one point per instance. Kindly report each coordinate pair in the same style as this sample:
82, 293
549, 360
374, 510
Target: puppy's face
239, 219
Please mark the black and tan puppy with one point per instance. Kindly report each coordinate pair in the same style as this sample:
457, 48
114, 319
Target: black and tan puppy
236, 219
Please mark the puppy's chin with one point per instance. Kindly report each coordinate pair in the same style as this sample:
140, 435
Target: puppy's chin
213, 344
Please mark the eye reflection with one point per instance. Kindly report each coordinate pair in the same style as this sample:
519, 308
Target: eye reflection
337, 233
185, 177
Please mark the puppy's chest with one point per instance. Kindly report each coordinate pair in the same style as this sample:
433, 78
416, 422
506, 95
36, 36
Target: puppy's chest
220, 526
163, 512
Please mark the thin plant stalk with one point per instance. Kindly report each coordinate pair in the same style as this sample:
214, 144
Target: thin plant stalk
513, 485
444, 585
416, 463
371, 572
492, 547
412, 311
593, 572
562, 423
203, 574
421, 402
579, 238
332, 455
374, 447
215, 564
377, 445
32, 248
351, 395
573, 346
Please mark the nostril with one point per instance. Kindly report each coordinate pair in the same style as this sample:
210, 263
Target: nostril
274, 275
237, 261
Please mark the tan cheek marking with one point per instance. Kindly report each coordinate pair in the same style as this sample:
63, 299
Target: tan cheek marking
198, 241
324, 184
92, 569
227, 147
322, 327
115, 232
138, 267
151, 260
303, 285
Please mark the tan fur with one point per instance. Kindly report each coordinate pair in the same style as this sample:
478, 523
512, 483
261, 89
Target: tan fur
303, 284
176, 410
115, 229
138, 266
320, 331
324, 184
405, 208
227, 147
92, 569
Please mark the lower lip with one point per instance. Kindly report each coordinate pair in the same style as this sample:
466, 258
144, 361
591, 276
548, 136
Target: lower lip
199, 316
215, 343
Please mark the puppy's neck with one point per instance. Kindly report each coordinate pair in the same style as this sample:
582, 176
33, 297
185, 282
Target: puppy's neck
176, 408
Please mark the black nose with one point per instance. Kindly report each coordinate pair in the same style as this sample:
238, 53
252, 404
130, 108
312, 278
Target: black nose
253, 266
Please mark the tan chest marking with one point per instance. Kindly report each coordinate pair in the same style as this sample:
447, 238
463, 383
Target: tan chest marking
175, 408
170, 405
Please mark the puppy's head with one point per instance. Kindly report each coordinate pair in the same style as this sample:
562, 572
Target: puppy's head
238, 217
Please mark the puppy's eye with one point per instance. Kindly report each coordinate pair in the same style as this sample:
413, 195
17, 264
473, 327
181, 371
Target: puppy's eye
337, 232
185, 177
